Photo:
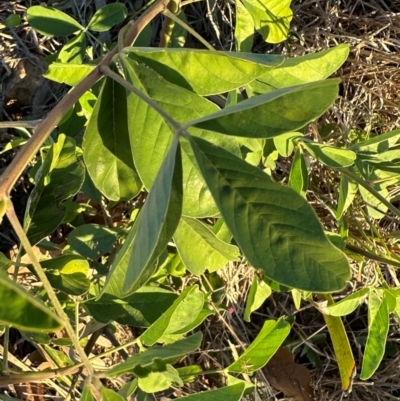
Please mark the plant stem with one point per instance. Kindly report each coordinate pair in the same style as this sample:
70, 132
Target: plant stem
371, 255
169, 23
46, 284
27, 152
117, 78
370, 189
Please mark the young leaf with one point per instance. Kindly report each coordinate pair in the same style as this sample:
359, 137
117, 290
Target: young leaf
60, 177
158, 220
264, 346
347, 191
378, 328
228, 393
259, 292
298, 177
182, 312
274, 113
210, 253
92, 240
140, 309
106, 146
69, 74
51, 22
275, 227
156, 358
107, 16
20, 309
244, 29
74, 50
341, 346
271, 18
284, 143
309, 68
151, 136
349, 304
330, 156
205, 72
179, 34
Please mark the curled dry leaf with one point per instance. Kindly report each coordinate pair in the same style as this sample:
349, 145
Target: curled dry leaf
292, 379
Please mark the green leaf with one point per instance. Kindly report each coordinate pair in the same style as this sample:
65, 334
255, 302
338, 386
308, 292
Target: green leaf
69, 74
60, 177
271, 18
67, 273
20, 309
182, 312
378, 144
300, 70
205, 72
264, 346
210, 253
189, 373
349, 304
5, 263
298, 177
156, 358
52, 22
244, 29
140, 309
158, 220
74, 50
151, 136
110, 395
229, 393
160, 381
92, 240
274, 113
179, 34
107, 16
12, 21
347, 191
106, 146
276, 228
284, 143
341, 346
330, 156
86, 393
259, 292
378, 328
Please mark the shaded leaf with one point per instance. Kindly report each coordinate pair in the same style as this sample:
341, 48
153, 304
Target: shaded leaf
106, 146
156, 358
264, 346
379, 143
276, 229
347, 192
274, 113
20, 309
210, 253
298, 177
74, 50
271, 18
157, 221
60, 176
107, 16
205, 72
110, 395
229, 393
52, 22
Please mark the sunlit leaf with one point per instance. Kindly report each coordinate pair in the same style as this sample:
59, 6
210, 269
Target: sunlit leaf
347, 192
69, 74
244, 28
349, 304
159, 381
259, 292
333, 157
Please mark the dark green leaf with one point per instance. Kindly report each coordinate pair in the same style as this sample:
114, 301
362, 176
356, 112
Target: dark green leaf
210, 253
5, 263
52, 22
107, 16
156, 358
106, 145
298, 178
275, 227
229, 393
274, 113
347, 192
140, 309
92, 240
74, 50
158, 220
205, 72
20, 309
61, 176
